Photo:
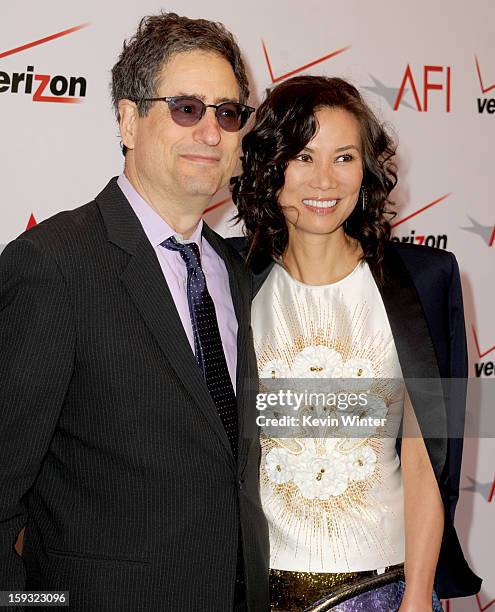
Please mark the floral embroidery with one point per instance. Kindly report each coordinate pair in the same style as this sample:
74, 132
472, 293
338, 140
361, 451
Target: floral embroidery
361, 463
279, 467
275, 368
317, 362
320, 477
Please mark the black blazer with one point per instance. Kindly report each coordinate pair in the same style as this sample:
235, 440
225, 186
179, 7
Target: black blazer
423, 300
112, 451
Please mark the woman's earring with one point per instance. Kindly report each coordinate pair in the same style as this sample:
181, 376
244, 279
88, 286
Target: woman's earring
364, 198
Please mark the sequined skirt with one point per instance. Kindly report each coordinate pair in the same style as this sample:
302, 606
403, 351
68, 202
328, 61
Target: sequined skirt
363, 591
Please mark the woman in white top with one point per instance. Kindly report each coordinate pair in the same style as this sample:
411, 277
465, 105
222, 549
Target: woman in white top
344, 511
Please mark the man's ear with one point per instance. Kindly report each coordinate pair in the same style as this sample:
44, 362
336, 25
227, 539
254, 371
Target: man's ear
128, 123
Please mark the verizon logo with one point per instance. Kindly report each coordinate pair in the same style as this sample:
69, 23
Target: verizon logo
43, 87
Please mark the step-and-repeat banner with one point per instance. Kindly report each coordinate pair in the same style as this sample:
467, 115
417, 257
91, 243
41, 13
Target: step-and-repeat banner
427, 68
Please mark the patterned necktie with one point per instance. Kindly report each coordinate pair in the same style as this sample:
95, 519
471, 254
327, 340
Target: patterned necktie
207, 341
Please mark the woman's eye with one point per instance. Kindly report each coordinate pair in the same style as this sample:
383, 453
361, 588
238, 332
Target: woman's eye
345, 157
304, 157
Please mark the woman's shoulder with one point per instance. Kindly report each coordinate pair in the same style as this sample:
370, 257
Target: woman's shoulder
420, 253
421, 260
260, 266
259, 263
239, 243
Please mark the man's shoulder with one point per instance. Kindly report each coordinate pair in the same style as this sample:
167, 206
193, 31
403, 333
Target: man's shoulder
66, 229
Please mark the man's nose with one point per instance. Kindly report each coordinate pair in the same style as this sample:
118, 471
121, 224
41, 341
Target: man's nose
207, 131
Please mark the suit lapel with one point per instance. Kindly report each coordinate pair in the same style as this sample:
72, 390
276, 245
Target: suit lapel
416, 356
143, 279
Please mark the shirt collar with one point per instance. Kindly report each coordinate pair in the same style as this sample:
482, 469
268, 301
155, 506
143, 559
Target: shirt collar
155, 227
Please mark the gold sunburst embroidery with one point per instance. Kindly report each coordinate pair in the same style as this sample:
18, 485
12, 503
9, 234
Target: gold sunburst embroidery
311, 321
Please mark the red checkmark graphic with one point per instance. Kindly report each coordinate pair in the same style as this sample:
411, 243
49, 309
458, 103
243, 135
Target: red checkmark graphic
42, 41
484, 89
492, 492
483, 607
481, 353
217, 205
301, 68
422, 209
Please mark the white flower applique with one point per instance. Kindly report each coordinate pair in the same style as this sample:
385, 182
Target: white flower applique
275, 368
279, 466
361, 463
317, 362
320, 477
358, 368
357, 373
317, 477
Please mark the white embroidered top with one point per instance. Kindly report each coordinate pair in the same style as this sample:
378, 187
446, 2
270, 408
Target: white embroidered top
333, 504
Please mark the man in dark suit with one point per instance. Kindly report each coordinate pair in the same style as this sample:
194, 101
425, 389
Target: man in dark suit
126, 351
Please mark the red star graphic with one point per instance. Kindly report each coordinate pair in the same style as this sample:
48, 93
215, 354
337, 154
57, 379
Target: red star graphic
32, 222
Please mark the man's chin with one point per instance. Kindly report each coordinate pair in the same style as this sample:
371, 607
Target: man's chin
204, 188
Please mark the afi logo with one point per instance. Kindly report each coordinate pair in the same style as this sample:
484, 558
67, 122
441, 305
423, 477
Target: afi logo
59, 87
430, 78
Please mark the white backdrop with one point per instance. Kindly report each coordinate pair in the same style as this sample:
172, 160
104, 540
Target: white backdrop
427, 68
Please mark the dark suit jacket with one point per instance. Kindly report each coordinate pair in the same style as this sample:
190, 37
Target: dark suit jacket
423, 299
112, 451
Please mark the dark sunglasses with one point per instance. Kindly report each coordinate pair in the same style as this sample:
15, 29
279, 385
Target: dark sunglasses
187, 111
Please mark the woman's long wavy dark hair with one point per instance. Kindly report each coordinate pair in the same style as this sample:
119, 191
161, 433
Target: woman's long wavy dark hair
284, 125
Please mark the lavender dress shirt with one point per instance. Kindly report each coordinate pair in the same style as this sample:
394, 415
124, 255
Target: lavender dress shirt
174, 270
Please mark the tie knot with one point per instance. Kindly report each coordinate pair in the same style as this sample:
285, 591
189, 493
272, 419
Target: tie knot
189, 251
